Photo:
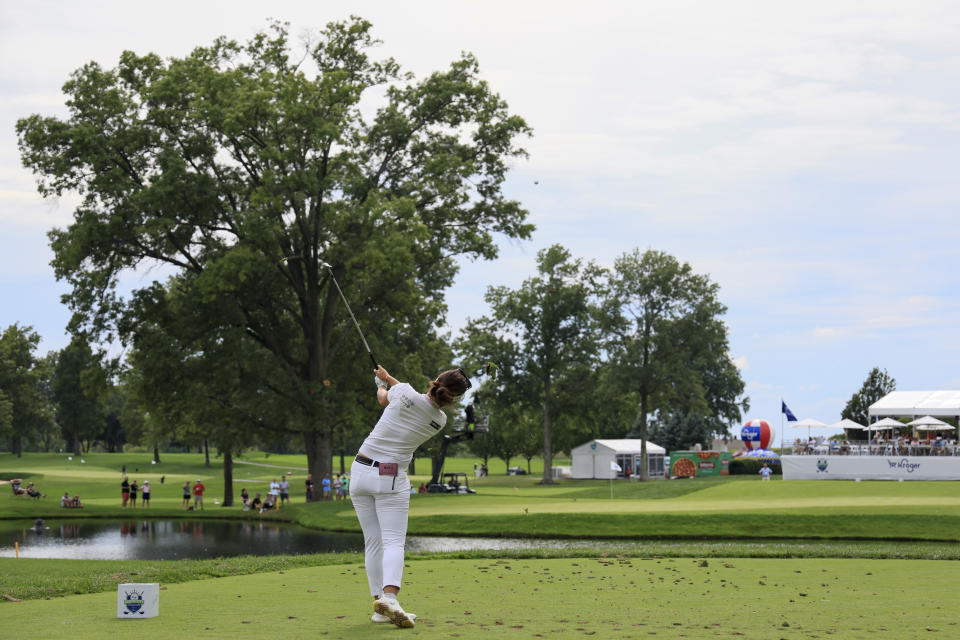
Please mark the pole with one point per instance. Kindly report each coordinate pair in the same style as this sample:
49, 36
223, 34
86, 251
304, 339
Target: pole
781, 426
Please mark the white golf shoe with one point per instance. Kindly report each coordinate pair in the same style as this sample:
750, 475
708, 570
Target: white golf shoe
390, 608
376, 617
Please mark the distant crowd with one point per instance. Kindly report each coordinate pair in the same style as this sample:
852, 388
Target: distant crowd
278, 493
879, 445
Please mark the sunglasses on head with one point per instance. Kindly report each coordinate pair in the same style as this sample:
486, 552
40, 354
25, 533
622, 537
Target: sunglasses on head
467, 379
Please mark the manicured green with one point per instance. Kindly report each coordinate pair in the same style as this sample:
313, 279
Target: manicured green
525, 597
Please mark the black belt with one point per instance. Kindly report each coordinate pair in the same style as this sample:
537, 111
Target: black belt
366, 461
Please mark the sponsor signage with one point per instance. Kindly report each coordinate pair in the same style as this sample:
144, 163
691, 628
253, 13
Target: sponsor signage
870, 468
688, 464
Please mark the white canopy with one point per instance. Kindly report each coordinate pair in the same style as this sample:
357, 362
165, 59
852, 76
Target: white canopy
929, 423
847, 423
809, 422
917, 403
885, 424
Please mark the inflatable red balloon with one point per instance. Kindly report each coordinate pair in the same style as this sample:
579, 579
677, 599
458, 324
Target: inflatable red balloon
757, 434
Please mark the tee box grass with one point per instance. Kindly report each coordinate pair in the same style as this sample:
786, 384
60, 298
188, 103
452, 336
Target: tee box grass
604, 597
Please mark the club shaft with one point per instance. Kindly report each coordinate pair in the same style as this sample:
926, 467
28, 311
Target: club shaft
353, 317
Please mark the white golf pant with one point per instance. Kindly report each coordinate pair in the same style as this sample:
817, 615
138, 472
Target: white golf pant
382, 504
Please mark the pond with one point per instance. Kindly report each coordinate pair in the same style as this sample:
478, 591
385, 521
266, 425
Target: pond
179, 539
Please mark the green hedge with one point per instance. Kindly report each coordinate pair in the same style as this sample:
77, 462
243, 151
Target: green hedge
751, 466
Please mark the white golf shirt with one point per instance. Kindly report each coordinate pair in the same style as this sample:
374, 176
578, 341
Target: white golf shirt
407, 422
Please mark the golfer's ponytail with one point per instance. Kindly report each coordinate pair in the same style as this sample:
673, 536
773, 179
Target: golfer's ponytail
448, 386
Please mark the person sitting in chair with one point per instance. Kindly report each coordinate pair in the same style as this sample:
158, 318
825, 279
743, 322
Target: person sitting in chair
33, 493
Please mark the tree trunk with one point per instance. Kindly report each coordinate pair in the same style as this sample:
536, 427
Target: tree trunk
547, 440
644, 472
76, 437
436, 468
413, 466
206, 453
227, 477
343, 468
156, 453
319, 458
16, 446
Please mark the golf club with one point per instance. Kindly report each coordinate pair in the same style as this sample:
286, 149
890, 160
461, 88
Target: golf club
350, 311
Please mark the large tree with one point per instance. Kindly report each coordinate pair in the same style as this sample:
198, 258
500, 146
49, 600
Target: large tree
878, 384
79, 386
25, 413
245, 167
545, 336
670, 345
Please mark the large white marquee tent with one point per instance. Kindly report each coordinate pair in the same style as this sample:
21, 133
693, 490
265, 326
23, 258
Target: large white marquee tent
915, 404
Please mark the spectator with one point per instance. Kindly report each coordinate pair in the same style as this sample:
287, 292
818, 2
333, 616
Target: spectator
76, 502
33, 493
345, 486
274, 489
423, 488
269, 503
17, 485
336, 487
65, 501
309, 484
125, 491
245, 497
256, 503
765, 472
284, 490
133, 494
325, 483
186, 495
198, 489
146, 493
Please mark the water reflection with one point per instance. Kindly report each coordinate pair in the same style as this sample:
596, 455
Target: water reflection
179, 539
167, 539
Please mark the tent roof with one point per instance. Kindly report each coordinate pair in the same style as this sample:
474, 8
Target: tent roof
917, 403
626, 445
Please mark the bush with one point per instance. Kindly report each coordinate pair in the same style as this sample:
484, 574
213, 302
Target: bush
751, 466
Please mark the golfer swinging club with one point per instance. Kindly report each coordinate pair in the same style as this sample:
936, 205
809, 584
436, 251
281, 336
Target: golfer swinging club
379, 486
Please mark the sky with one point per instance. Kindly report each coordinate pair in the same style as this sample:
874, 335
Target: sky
800, 154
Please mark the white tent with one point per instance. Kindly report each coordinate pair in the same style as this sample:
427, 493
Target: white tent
885, 425
847, 423
596, 459
916, 403
929, 423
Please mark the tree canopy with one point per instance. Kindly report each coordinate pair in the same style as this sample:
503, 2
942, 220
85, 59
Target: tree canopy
878, 384
546, 337
243, 168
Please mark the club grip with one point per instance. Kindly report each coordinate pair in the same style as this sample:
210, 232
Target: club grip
372, 359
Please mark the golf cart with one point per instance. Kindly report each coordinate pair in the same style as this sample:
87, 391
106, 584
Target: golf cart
451, 483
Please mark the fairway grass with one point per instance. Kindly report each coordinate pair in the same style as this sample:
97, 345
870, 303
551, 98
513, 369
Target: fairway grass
527, 598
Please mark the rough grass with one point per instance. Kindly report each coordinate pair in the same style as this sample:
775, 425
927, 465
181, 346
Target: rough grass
526, 598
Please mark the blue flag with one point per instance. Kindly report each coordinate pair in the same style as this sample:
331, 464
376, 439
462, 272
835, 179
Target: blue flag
786, 411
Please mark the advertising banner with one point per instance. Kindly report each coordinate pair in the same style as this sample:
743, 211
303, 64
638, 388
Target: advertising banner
689, 464
870, 467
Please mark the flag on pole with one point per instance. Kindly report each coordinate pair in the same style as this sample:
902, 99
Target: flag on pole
786, 411
615, 467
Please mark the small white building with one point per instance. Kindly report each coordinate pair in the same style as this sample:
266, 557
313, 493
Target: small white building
595, 459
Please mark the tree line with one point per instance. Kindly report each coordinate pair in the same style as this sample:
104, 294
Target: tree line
252, 174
